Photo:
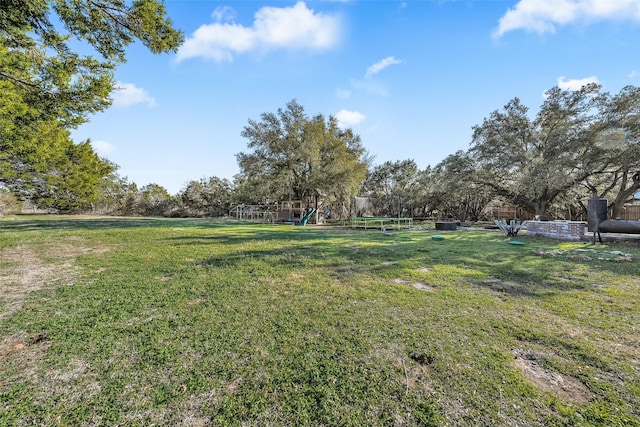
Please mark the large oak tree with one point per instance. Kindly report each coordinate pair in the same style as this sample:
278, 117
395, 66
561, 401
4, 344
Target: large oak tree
296, 156
574, 136
620, 179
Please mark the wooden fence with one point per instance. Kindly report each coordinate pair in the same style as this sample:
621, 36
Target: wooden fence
630, 212
504, 212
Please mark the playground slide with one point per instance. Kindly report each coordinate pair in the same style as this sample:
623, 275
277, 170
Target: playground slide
307, 216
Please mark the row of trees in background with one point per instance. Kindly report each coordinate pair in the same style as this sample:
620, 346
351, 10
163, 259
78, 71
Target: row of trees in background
579, 143
206, 197
448, 190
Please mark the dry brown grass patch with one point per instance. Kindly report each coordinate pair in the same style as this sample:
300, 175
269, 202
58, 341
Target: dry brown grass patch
417, 285
568, 388
29, 268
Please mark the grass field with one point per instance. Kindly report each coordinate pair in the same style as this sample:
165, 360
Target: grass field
197, 322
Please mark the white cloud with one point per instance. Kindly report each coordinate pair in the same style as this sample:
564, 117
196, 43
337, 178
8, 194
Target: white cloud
633, 74
343, 93
127, 94
542, 16
296, 27
223, 13
575, 84
348, 118
379, 66
369, 86
102, 147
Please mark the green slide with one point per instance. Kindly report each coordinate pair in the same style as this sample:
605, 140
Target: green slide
307, 216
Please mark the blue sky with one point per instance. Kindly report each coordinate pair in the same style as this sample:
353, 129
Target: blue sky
410, 77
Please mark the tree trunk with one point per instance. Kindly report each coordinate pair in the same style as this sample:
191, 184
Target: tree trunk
540, 208
623, 195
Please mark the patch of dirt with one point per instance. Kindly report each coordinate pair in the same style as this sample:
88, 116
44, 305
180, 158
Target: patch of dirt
418, 285
27, 268
10, 346
422, 287
585, 255
568, 388
387, 263
579, 257
75, 381
194, 421
17, 343
424, 270
411, 373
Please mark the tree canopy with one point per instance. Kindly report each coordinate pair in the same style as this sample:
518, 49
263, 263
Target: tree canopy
38, 65
393, 187
456, 192
574, 136
207, 197
620, 179
296, 156
47, 88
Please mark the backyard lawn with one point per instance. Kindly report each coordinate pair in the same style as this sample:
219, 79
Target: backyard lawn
123, 321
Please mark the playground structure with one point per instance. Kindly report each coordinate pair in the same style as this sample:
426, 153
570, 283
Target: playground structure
381, 223
293, 212
311, 211
261, 213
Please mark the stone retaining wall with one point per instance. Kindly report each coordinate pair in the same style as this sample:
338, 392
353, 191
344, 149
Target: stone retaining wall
564, 230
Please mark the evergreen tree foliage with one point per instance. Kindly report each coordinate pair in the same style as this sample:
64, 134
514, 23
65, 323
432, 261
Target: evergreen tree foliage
47, 88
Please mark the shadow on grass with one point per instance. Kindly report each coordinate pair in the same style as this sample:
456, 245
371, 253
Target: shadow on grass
482, 259
25, 223
283, 233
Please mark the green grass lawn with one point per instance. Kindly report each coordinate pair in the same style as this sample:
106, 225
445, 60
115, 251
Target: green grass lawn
109, 321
